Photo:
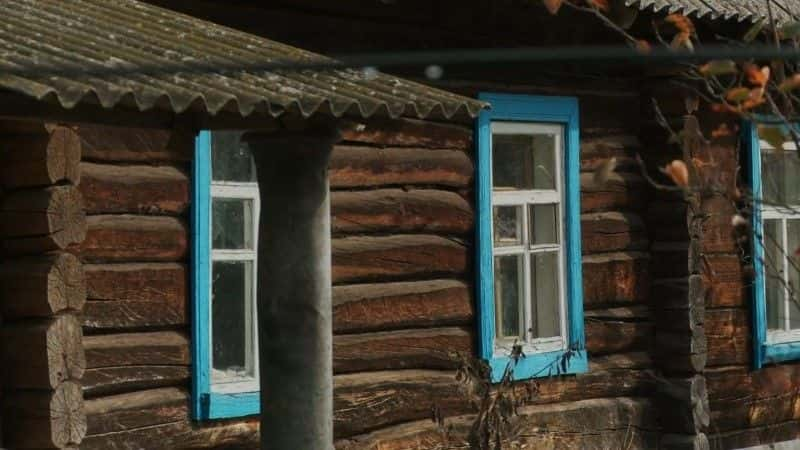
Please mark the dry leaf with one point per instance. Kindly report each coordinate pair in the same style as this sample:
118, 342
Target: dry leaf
599, 4
643, 46
756, 76
738, 95
553, 5
677, 172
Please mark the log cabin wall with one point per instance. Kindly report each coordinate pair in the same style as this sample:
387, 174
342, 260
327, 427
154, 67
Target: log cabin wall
402, 207
42, 286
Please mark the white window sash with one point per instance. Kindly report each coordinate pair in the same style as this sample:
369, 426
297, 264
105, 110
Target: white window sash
238, 384
523, 198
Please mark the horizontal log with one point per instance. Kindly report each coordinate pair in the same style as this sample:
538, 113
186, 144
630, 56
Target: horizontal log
606, 335
741, 398
697, 441
729, 338
611, 232
44, 419
123, 238
42, 354
727, 280
352, 167
135, 295
615, 278
388, 306
396, 257
137, 349
136, 409
127, 378
408, 133
102, 143
751, 437
39, 220
609, 145
621, 191
41, 286
595, 423
435, 348
136, 189
679, 293
718, 235
400, 211
184, 434
40, 158
368, 401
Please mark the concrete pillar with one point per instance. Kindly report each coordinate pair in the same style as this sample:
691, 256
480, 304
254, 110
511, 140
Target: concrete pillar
294, 289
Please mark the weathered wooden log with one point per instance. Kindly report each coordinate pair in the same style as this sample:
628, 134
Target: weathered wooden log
367, 401
44, 419
666, 221
622, 191
684, 406
42, 354
136, 349
400, 211
435, 348
387, 306
596, 423
136, 409
135, 295
396, 257
184, 434
717, 229
41, 286
366, 167
40, 158
617, 330
122, 238
612, 232
101, 143
615, 278
673, 260
751, 437
607, 146
39, 220
408, 133
727, 281
741, 398
136, 189
729, 338
118, 379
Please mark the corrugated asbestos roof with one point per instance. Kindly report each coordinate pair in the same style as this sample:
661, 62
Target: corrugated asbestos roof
100, 34
739, 10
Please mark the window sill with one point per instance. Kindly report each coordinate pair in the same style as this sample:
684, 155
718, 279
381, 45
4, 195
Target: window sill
224, 406
776, 353
561, 362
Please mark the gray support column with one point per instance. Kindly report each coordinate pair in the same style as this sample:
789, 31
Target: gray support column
294, 289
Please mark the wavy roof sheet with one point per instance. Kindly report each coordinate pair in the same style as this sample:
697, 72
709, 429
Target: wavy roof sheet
739, 10
82, 36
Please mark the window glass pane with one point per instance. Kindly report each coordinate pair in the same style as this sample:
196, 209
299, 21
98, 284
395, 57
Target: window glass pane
793, 234
231, 159
508, 295
523, 161
507, 225
231, 312
545, 224
232, 226
773, 271
544, 295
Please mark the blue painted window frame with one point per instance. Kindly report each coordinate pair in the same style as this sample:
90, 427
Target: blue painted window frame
763, 352
542, 109
205, 403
